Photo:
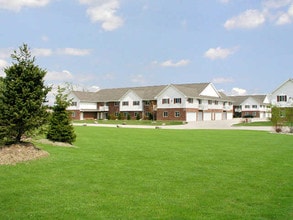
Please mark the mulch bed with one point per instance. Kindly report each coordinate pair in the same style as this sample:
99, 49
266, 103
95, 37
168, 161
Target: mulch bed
16, 153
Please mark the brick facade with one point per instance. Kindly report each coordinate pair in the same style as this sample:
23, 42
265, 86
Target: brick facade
171, 114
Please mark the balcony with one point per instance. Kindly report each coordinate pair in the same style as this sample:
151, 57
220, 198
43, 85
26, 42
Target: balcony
203, 107
229, 107
103, 108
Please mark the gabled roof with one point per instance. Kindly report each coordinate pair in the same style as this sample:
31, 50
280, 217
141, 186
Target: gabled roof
145, 93
105, 95
288, 81
191, 90
240, 99
85, 96
148, 92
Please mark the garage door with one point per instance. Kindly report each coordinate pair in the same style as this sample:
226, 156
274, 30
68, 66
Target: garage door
218, 116
191, 116
207, 116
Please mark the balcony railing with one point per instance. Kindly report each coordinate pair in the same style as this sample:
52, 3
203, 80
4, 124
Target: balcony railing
104, 108
202, 107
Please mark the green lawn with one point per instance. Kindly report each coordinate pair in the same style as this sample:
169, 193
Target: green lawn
155, 174
256, 123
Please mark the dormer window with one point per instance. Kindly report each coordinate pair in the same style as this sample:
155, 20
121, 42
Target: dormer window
281, 98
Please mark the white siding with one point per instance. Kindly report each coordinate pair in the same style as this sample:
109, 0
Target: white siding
249, 103
73, 98
88, 105
209, 91
130, 97
285, 89
171, 93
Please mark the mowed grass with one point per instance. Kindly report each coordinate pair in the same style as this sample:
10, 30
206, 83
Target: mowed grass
155, 174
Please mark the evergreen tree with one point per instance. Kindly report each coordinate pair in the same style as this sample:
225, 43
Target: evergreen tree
22, 97
60, 127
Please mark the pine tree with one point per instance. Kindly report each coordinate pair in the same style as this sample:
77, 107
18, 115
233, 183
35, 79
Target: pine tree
60, 127
22, 97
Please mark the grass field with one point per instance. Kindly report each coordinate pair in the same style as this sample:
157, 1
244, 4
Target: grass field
155, 174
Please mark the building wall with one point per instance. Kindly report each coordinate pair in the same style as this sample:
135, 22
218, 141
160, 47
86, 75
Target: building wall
285, 89
75, 114
171, 114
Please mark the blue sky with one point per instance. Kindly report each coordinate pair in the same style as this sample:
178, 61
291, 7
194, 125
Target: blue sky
242, 46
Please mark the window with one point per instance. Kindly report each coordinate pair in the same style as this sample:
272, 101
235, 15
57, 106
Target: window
190, 100
135, 102
177, 114
177, 100
216, 102
247, 106
165, 101
136, 114
254, 114
116, 103
73, 114
281, 98
125, 103
210, 102
147, 103
73, 103
254, 106
165, 114
116, 114
199, 101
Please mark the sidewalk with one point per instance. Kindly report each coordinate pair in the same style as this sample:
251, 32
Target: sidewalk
221, 124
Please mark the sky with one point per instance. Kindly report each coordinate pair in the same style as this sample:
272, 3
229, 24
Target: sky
241, 46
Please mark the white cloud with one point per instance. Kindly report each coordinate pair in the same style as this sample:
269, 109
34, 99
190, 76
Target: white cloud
104, 11
247, 20
109, 76
221, 80
5, 53
283, 19
219, 53
3, 64
274, 4
45, 38
17, 5
286, 17
279, 12
74, 51
224, 1
170, 63
238, 91
64, 75
41, 52
138, 79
